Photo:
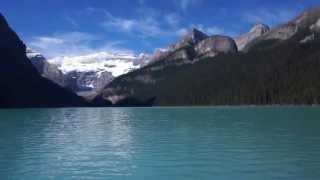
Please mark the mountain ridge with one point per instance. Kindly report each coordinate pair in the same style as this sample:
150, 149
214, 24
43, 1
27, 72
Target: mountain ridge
266, 72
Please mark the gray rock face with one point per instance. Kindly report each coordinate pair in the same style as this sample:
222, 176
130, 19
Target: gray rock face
178, 50
46, 69
256, 32
184, 55
194, 45
87, 81
283, 32
307, 20
190, 39
308, 17
37, 60
159, 54
214, 45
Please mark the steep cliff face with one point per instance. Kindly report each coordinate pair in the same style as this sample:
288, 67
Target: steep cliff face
21, 84
46, 69
256, 32
89, 81
214, 45
194, 45
190, 39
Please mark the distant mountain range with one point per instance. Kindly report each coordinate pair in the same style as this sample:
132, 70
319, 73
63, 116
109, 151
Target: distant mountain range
87, 74
265, 66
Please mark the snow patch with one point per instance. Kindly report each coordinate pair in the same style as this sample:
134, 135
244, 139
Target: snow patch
308, 38
318, 23
117, 64
315, 26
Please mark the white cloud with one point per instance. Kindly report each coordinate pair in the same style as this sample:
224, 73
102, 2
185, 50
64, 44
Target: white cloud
148, 27
271, 17
71, 44
49, 40
151, 23
145, 26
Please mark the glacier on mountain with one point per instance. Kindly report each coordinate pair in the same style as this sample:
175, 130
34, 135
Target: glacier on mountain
115, 63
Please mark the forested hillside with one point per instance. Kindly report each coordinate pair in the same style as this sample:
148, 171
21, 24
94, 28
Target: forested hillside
272, 72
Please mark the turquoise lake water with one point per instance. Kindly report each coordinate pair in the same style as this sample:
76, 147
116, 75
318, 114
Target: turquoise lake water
223, 143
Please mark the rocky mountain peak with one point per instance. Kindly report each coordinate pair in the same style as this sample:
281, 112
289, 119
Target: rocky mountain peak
308, 17
285, 31
194, 36
260, 29
190, 38
214, 45
256, 31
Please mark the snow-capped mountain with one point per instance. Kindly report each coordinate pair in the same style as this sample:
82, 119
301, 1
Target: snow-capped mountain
115, 63
87, 73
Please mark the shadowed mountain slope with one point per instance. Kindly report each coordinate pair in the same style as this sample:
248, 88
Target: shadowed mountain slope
20, 83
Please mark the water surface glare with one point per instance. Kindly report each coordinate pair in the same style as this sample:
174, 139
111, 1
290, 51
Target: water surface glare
187, 143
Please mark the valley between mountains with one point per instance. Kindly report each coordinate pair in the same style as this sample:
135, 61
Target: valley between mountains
264, 66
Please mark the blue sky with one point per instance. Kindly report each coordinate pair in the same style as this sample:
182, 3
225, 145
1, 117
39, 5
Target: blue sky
74, 27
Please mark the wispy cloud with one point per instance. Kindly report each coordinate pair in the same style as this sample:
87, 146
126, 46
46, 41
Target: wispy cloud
148, 23
147, 27
271, 17
71, 44
72, 21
